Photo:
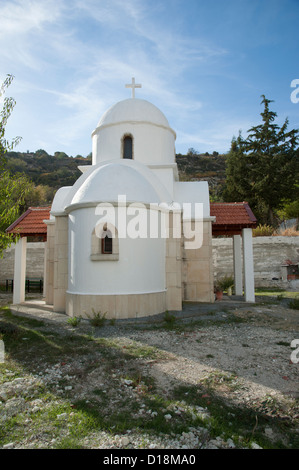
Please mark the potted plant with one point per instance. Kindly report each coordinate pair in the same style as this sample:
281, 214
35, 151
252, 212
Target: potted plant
218, 289
224, 284
218, 292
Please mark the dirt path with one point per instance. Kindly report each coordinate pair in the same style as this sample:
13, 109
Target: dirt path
243, 352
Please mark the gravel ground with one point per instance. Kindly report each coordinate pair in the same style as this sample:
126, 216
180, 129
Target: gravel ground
248, 363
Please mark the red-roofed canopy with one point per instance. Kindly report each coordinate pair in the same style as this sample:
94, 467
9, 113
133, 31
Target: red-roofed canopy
231, 218
31, 223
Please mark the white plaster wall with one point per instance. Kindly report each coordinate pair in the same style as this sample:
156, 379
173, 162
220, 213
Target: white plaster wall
152, 144
166, 177
193, 192
136, 271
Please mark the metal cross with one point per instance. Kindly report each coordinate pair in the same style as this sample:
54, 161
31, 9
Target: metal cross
133, 86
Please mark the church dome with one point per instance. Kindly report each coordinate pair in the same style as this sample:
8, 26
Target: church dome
109, 180
133, 110
152, 140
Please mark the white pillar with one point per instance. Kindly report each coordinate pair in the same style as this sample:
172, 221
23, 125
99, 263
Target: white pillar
238, 271
248, 265
45, 271
20, 271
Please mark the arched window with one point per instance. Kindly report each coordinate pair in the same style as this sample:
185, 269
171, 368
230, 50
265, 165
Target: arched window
104, 243
128, 147
107, 242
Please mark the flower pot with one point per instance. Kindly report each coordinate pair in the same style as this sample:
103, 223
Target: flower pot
219, 295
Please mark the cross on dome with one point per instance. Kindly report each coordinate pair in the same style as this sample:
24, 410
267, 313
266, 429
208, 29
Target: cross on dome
133, 85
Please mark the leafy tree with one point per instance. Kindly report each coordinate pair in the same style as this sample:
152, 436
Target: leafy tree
264, 168
12, 189
237, 186
40, 195
192, 152
290, 210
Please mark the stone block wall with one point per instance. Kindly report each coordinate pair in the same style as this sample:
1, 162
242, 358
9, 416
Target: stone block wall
197, 271
269, 254
34, 266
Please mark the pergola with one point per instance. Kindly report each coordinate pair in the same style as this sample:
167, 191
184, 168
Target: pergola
237, 220
231, 220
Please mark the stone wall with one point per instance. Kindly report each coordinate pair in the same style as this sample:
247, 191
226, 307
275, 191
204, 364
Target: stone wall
35, 262
269, 253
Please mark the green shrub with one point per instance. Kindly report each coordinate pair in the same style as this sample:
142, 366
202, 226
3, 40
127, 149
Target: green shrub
224, 283
263, 231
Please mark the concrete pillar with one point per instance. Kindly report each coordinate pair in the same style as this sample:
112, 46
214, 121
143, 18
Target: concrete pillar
20, 271
238, 271
248, 265
60, 275
49, 262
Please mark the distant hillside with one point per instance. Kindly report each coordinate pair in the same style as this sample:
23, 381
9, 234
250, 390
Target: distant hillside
62, 170
204, 167
48, 170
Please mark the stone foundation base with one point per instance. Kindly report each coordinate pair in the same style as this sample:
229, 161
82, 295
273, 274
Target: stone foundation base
115, 306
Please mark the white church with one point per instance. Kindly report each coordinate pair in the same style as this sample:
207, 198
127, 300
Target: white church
129, 239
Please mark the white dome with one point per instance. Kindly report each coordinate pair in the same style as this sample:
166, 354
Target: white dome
153, 140
106, 181
133, 110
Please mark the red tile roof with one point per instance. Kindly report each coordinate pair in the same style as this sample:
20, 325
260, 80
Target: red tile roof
231, 217
31, 222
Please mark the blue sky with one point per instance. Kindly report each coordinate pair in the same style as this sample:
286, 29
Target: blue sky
204, 63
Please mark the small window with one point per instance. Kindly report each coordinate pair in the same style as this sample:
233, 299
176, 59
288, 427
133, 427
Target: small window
104, 243
107, 242
128, 147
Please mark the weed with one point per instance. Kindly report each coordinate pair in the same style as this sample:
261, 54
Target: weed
98, 318
169, 319
294, 304
74, 321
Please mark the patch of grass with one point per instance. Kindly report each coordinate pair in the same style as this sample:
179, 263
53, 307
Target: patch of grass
242, 424
276, 292
18, 319
120, 409
138, 350
294, 304
220, 378
24, 340
130, 350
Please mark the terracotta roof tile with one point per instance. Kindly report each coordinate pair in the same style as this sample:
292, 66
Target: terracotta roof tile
31, 222
232, 216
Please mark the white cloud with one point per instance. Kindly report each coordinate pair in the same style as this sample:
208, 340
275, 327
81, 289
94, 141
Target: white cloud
22, 16
82, 52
